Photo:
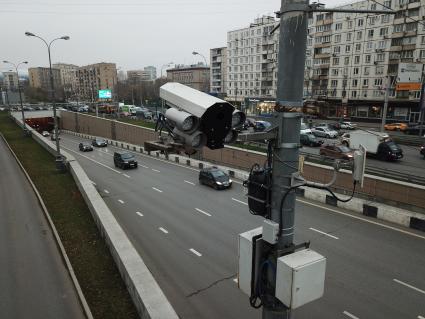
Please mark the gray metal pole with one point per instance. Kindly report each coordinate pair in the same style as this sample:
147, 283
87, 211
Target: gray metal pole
290, 83
384, 113
52, 87
20, 100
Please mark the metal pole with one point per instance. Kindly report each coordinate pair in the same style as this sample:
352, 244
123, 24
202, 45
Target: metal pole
387, 93
20, 100
290, 83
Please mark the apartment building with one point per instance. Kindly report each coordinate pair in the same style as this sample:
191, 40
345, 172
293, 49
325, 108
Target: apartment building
196, 76
251, 65
139, 76
67, 75
350, 59
40, 78
94, 77
151, 70
218, 73
10, 81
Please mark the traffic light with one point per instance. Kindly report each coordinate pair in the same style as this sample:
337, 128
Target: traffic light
197, 119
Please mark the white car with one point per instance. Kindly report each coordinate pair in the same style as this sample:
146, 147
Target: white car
348, 126
324, 132
45, 133
304, 129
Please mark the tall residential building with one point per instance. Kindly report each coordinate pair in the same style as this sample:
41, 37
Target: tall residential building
218, 73
68, 77
151, 70
10, 80
196, 76
139, 76
251, 62
94, 77
350, 57
40, 78
122, 76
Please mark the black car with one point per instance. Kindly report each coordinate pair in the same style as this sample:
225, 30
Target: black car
99, 142
422, 150
124, 160
84, 147
215, 178
261, 126
310, 140
414, 130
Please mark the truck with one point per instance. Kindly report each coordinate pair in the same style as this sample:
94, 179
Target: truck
377, 144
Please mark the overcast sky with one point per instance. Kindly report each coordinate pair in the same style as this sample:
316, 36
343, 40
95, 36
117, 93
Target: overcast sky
130, 33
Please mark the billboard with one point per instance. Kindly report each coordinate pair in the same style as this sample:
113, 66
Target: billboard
408, 87
105, 94
409, 73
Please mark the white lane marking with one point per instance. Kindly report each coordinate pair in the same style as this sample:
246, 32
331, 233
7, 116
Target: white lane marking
121, 201
420, 317
93, 183
140, 214
239, 201
350, 315
202, 212
143, 166
155, 170
163, 230
156, 189
195, 252
235, 280
323, 233
362, 219
90, 159
106, 191
189, 183
410, 286
126, 176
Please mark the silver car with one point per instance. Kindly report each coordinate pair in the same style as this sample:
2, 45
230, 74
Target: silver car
322, 131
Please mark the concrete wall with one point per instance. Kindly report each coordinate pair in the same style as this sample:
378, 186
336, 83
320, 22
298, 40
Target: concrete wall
400, 194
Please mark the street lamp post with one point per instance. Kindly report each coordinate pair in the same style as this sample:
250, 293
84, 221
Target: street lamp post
59, 158
197, 53
16, 66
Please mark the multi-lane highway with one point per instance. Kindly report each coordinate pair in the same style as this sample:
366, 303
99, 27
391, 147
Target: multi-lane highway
34, 282
187, 235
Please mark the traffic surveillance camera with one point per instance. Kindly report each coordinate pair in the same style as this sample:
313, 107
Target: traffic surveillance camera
199, 119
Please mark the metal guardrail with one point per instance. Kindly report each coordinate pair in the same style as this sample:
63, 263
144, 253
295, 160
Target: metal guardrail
408, 140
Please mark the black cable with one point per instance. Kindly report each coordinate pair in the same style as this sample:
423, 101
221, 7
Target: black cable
333, 194
282, 201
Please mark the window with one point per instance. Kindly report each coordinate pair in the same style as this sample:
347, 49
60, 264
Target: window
335, 61
378, 82
412, 26
348, 36
380, 57
334, 71
398, 28
373, 6
379, 70
354, 94
334, 83
370, 33
383, 31
382, 44
373, 18
359, 35
422, 54
409, 40
413, 12
337, 49
338, 26
337, 38
387, 4
423, 39
346, 60
358, 47
360, 22
366, 70
357, 59
369, 46
347, 48
365, 82
407, 54
356, 71
354, 83
367, 58
350, 24
385, 18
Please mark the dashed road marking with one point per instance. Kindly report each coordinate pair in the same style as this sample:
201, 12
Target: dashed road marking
420, 317
121, 201
143, 166
350, 315
409, 286
189, 183
90, 159
163, 230
140, 214
156, 189
202, 212
126, 175
235, 280
323, 233
155, 170
239, 201
93, 183
106, 191
195, 252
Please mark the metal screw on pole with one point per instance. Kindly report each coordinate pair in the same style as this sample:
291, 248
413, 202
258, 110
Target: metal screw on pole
60, 159
16, 66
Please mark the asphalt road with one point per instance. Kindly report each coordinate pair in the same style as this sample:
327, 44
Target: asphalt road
187, 235
34, 282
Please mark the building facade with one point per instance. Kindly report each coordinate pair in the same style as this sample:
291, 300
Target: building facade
151, 70
94, 77
252, 64
138, 76
68, 76
40, 78
351, 57
218, 72
196, 76
10, 81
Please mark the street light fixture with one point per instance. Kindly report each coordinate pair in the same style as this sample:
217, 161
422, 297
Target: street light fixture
59, 158
197, 53
16, 66
166, 65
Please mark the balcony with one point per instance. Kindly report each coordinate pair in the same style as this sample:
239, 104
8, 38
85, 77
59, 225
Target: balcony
397, 35
408, 47
322, 55
395, 48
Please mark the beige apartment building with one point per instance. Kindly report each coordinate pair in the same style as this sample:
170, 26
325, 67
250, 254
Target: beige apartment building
196, 76
218, 74
67, 74
94, 77
40, 78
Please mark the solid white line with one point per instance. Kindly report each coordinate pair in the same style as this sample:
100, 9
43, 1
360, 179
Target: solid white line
143, 166
195, 252
350, 315
121, 201
420, 317
239, 201
163, 230
362, 219
189, 183
323, 233
106, 191
202, 212
158, 190
155, 170
410, 286
126, 176
140, 214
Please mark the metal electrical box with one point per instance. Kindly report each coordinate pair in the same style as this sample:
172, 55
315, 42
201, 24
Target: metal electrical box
245, 258
300, 278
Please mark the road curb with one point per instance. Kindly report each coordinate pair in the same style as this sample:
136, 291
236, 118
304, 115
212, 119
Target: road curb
58, 241
364, 207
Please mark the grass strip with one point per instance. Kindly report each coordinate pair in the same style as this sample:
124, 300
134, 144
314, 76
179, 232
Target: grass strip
94, 267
